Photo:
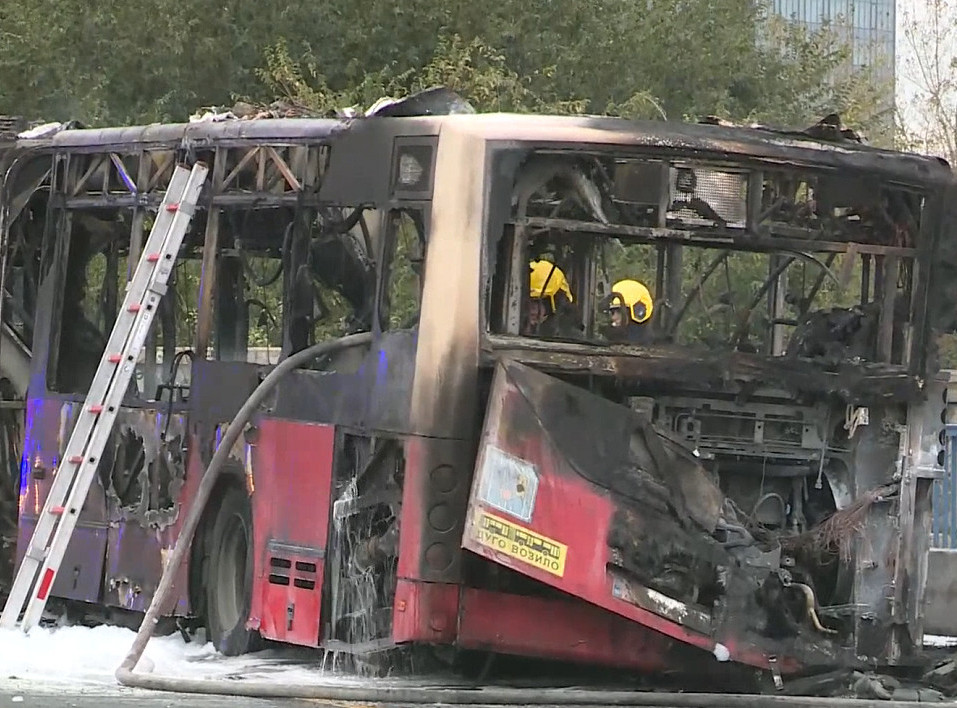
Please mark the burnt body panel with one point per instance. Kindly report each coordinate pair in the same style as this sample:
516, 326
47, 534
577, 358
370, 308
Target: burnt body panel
374, 395
942, 290
136, 557
126, 525
219, 389
788, 147
81, 572
357, 173
657, 547
289, 468
324, 397
757, 144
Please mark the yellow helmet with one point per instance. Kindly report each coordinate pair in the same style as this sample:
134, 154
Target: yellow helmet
635, 297
547, 280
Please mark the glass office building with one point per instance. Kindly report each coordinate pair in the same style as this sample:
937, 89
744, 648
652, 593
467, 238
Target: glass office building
870, 24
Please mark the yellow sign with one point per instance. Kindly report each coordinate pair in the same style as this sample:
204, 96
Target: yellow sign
522, 544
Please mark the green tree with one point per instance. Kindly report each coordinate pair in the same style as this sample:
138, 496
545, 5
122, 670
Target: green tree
472, 68
928, 111
659, 58
807, 74
122, 61
148, 60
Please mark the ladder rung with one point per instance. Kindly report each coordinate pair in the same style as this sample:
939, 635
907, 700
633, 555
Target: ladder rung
36, 554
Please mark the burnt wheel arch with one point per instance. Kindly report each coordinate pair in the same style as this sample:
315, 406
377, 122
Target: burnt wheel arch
231, 476
227, 585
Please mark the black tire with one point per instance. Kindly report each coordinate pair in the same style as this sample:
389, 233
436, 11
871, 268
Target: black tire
229, 583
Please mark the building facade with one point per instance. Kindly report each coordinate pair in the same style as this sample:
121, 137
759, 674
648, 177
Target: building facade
870, 25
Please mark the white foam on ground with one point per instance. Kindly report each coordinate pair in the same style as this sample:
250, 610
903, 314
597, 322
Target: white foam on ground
84, 657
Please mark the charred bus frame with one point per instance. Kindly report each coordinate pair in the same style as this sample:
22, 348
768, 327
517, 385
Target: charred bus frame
351, 497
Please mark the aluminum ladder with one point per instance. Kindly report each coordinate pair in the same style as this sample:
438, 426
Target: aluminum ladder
96, 419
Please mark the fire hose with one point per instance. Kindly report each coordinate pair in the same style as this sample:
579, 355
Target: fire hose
381, 692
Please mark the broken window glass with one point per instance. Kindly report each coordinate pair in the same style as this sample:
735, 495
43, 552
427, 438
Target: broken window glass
336, 281
26, 238
169, 350
403, 297
95, 270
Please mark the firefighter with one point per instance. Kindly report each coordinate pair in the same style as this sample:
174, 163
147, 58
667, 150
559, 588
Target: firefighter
550, 305
630, 307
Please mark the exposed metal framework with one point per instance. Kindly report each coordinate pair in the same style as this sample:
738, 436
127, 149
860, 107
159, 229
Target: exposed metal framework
253, 175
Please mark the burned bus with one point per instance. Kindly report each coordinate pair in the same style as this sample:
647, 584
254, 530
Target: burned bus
749, 482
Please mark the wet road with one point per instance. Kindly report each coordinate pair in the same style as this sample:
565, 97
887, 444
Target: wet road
76, 698
99, 696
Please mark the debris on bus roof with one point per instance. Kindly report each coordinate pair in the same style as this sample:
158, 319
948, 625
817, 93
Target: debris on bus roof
434, 101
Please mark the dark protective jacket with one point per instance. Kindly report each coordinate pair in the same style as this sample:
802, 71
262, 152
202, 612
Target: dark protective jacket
564, 323
632, 333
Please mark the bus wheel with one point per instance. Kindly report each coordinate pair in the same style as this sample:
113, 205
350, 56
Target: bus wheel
229, 585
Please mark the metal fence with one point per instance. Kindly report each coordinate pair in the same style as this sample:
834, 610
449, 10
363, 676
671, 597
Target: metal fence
944, 529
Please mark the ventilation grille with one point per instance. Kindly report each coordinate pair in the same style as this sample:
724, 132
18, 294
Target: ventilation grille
299, 574
699, 196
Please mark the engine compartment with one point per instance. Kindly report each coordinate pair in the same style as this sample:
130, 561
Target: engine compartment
679, 528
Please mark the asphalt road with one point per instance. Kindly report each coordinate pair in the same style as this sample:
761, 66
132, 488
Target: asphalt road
71, 698
137, 699
77, 698
99, 696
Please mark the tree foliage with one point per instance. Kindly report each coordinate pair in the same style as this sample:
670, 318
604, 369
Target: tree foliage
472, 68
811, 75
928, 115
618, 58
149, 60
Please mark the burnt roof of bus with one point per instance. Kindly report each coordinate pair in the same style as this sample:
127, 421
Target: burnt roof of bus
697, 140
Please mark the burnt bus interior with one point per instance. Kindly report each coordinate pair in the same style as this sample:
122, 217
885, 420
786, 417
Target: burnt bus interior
789, 334
740, 259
